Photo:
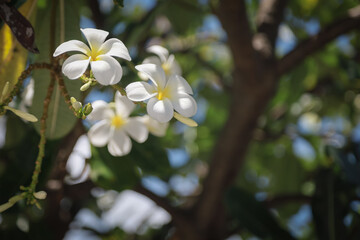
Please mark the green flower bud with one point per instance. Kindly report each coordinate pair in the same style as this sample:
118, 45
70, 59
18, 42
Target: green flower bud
87, 109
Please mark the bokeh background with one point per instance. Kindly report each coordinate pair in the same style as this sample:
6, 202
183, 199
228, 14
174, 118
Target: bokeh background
299, 178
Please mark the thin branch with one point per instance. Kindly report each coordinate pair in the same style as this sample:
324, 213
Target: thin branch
286, 198
315, 43
42, 142
268, 19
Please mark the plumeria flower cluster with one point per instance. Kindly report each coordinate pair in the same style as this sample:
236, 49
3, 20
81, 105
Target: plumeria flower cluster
161, 88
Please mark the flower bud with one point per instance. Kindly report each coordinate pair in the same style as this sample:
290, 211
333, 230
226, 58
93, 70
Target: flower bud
87, 109
76, 105
85, 86
40, 195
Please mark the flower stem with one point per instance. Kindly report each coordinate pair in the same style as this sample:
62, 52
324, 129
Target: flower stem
41, 153
23, 76
65, 93
132, 67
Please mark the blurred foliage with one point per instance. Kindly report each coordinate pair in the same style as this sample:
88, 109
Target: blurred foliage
306, 144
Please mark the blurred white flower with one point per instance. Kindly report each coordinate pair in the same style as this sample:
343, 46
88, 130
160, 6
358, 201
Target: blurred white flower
105, 68
163, 59
164, 95
155, 127
27, 96
114, 126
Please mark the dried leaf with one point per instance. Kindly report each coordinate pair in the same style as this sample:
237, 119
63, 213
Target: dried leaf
20, 26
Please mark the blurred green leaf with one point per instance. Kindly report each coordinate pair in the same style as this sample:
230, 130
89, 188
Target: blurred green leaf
329, 206
111, 172
119, 2
252, 215
185, 15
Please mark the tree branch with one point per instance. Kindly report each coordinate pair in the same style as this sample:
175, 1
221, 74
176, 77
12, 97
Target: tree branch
235, 22
286, 198
253, 86
314, 43
268, 19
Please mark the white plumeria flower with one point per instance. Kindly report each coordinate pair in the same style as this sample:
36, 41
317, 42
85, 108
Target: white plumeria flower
164, 95
155, 127
163, 59
105, 68
114, 126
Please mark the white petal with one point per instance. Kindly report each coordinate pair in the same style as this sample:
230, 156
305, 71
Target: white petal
101, 110
162, 52
115, 47
178, 84
161, 110
100, 133
153, 60
140, 91
184, 104
95, 37
123, 105
155, 73
75, 66
72, 45
155, 127
174, 65
120, 144
137, 130
106, 70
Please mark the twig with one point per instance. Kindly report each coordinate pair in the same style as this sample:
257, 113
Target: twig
316, 42
42, 142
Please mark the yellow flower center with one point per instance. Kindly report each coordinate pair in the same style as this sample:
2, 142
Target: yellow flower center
163, 94
117, 121
167, 68
93, 56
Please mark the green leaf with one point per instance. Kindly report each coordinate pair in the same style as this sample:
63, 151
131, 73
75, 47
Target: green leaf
151, 157
120, 3
184, 15
111, 172
60, 119
253, 215
120, 173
